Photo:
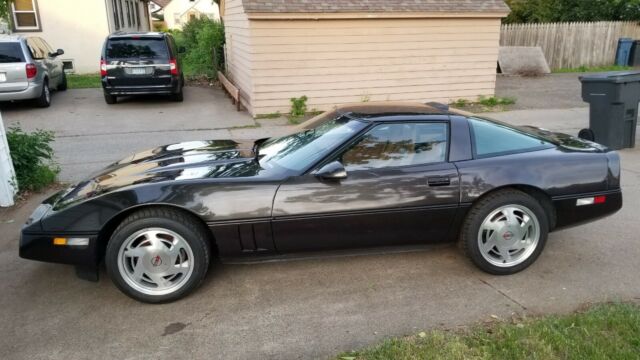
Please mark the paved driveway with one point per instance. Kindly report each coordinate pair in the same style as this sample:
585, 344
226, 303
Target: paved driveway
91, 134
300, 309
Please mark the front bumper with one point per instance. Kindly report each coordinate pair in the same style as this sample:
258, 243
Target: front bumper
33, 91
40, 246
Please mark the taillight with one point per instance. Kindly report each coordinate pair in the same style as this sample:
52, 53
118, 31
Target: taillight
32, 71
174, 66
103, 68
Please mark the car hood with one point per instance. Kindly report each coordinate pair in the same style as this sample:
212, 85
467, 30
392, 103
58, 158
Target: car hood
565, 141
176, 162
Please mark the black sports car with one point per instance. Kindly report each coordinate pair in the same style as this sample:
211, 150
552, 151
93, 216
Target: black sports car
369, 175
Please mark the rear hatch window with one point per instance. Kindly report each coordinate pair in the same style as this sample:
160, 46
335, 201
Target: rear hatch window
11, 53
128, 49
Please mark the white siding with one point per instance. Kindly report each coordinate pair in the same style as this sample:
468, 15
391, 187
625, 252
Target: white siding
335, 61
238, 49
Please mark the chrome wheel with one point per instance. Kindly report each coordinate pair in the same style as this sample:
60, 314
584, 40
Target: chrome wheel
509, 235
155, 261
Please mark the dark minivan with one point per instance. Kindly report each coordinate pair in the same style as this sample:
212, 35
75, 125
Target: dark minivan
140, 64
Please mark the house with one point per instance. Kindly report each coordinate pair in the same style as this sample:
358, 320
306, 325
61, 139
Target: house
179, 12
359, 50
78, 27
157, 6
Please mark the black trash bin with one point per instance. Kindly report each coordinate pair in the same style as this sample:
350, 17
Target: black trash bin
613, 98
634, 57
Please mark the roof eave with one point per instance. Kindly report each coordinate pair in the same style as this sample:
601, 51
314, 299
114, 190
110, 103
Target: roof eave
372, 15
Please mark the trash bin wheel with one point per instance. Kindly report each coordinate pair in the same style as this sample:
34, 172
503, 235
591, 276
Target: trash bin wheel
587, 134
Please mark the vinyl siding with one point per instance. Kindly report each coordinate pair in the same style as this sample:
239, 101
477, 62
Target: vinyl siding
238, 49
334, 62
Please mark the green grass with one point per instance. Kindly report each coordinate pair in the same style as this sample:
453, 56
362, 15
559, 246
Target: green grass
583, 69
83, 81
609, 331
496, 101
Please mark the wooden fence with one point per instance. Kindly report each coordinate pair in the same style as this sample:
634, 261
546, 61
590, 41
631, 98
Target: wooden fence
571, 45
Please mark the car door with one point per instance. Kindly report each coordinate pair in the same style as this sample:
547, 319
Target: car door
55, 65
40, 55
399, 190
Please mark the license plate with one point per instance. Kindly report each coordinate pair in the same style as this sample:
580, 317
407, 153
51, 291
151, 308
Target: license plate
3, 77
138, 71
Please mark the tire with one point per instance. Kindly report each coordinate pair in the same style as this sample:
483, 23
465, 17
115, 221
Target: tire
510, 254
178, 97
44, 100
110, 99
63, 85
151, 275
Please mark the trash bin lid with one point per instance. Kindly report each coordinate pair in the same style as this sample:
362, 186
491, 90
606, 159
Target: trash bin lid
615, 77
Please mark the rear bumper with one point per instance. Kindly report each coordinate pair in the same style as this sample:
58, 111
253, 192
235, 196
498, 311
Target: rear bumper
568, 214
33, 91
172, 88
39, 246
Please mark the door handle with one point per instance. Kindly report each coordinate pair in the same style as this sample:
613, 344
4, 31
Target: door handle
439, 181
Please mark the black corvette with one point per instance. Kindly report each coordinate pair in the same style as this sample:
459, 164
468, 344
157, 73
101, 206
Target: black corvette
369, 175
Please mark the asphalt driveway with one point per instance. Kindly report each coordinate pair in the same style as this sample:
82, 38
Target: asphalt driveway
302, 309
91, 134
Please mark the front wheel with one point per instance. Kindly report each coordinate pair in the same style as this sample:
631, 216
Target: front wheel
158, 255
64, 83
505, 232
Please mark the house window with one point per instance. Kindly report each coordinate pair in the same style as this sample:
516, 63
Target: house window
25, 15
129, 13
68, 66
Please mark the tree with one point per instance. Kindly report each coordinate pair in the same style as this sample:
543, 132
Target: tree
542, 11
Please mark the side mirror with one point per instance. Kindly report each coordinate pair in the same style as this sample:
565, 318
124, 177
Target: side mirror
56, 53
332, 171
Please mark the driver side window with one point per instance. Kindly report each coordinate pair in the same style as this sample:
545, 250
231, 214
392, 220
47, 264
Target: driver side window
399, 144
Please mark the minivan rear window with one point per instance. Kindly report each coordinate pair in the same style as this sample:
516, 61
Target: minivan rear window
129, 48
11, 53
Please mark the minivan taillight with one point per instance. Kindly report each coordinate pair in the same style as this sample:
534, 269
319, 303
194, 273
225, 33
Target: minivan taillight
174, 66
103, 68
32, 71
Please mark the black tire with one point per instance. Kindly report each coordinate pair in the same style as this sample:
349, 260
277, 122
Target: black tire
44, 100
110, 99
183, 224
469, 234
178, 97
63, 85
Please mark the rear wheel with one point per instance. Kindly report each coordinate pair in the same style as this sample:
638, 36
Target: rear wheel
158, 255
179, 96
44, 100
110, 99
505, 232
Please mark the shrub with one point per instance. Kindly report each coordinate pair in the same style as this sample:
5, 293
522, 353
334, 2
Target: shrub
495, 101
298, 106
199, 37
32, 158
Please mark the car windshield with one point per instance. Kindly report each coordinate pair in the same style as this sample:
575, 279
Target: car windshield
311, 143
11, 53
137, 48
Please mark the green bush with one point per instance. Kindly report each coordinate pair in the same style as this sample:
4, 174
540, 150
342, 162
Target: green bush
544, 11
199, 37
32, 158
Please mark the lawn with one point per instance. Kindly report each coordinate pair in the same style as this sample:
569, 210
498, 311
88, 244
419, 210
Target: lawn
610, 331
583, 69
83, 81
